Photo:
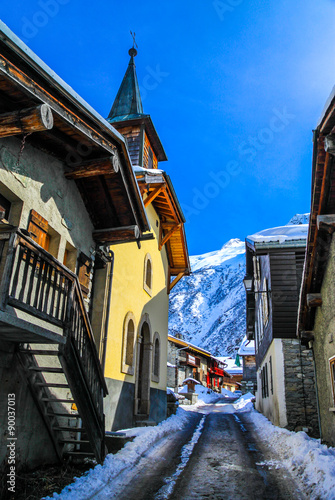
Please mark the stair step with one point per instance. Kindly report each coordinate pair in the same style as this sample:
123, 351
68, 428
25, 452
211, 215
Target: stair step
69, 429
74, 441
39, 352
65, 415
60, 386
55, 400
45, 369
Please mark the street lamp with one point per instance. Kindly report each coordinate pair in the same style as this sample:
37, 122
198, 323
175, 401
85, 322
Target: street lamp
248, 282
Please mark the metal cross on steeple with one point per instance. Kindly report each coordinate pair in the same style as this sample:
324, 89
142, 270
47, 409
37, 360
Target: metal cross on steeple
134, 42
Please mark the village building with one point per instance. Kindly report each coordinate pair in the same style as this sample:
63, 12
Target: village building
185, 361
144, 273
234, 370
285, 375
316, 324
246, 353
188, 361
67, 191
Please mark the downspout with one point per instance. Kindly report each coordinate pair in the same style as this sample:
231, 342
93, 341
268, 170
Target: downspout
317, 396
110, 282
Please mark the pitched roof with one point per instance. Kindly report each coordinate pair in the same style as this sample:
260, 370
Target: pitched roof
128, 102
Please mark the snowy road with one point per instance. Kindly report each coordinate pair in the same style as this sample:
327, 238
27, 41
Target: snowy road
212, 451
217, 456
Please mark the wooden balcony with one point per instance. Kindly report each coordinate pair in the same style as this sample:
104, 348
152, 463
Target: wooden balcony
41, 302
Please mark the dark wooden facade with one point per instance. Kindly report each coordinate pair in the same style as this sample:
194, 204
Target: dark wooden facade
277, 274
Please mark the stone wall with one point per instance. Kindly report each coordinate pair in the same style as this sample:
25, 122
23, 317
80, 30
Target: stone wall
324, 349
300, 394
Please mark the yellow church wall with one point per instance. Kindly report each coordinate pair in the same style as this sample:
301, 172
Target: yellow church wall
128, 295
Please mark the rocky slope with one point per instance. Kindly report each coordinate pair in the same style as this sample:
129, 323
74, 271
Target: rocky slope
208, 307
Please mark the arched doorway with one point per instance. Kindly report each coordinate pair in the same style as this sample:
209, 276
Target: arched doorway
144, 362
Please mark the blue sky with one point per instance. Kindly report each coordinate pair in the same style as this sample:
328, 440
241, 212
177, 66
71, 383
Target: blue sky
234, 87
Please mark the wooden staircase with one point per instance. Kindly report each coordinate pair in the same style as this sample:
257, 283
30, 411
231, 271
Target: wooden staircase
65, 378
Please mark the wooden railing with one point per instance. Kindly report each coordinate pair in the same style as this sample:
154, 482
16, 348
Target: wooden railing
38, 284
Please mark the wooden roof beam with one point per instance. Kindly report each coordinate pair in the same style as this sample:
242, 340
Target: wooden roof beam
116, 234
26, 121
175, 281
150, 198
168, 236
326, 223
91, 168
314, 300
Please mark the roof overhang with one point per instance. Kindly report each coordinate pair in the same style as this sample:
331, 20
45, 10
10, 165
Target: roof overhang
79, 135
158, 190
322, 203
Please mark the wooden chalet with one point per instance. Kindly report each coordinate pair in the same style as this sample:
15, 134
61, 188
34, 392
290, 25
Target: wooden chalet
316, 308
274, 264
67, 190
186, 360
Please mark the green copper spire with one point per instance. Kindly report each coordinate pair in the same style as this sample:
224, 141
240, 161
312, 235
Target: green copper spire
128, 101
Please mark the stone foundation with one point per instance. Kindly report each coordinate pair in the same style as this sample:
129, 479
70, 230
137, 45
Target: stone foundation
300, 394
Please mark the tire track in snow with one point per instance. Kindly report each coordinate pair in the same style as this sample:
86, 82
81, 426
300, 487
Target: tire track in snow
166, 491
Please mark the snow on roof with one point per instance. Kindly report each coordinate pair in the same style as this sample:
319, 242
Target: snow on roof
147, 171
188, 344
247, 347
281, 234
190, 379
231, 367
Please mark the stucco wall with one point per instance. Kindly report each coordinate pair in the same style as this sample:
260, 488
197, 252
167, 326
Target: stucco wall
324, 349
273, 406
38, 182
129, 295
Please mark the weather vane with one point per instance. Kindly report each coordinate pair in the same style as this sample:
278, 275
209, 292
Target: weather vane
134, 42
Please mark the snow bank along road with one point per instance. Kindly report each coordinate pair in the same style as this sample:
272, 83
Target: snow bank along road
212, 451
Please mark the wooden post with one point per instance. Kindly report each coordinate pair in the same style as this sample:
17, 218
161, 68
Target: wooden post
26, 121
314, 300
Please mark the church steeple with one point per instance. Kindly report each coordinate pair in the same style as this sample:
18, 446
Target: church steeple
126, 115
128, 103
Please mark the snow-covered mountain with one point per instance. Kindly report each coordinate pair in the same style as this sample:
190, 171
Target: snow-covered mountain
208, 307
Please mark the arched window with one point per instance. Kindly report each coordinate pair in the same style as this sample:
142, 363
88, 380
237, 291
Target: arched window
147, 278
156, 352
128, 348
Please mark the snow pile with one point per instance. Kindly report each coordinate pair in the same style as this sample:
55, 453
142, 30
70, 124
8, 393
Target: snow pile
205, 395
245, 403
89, 485
310, 461
226, 393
